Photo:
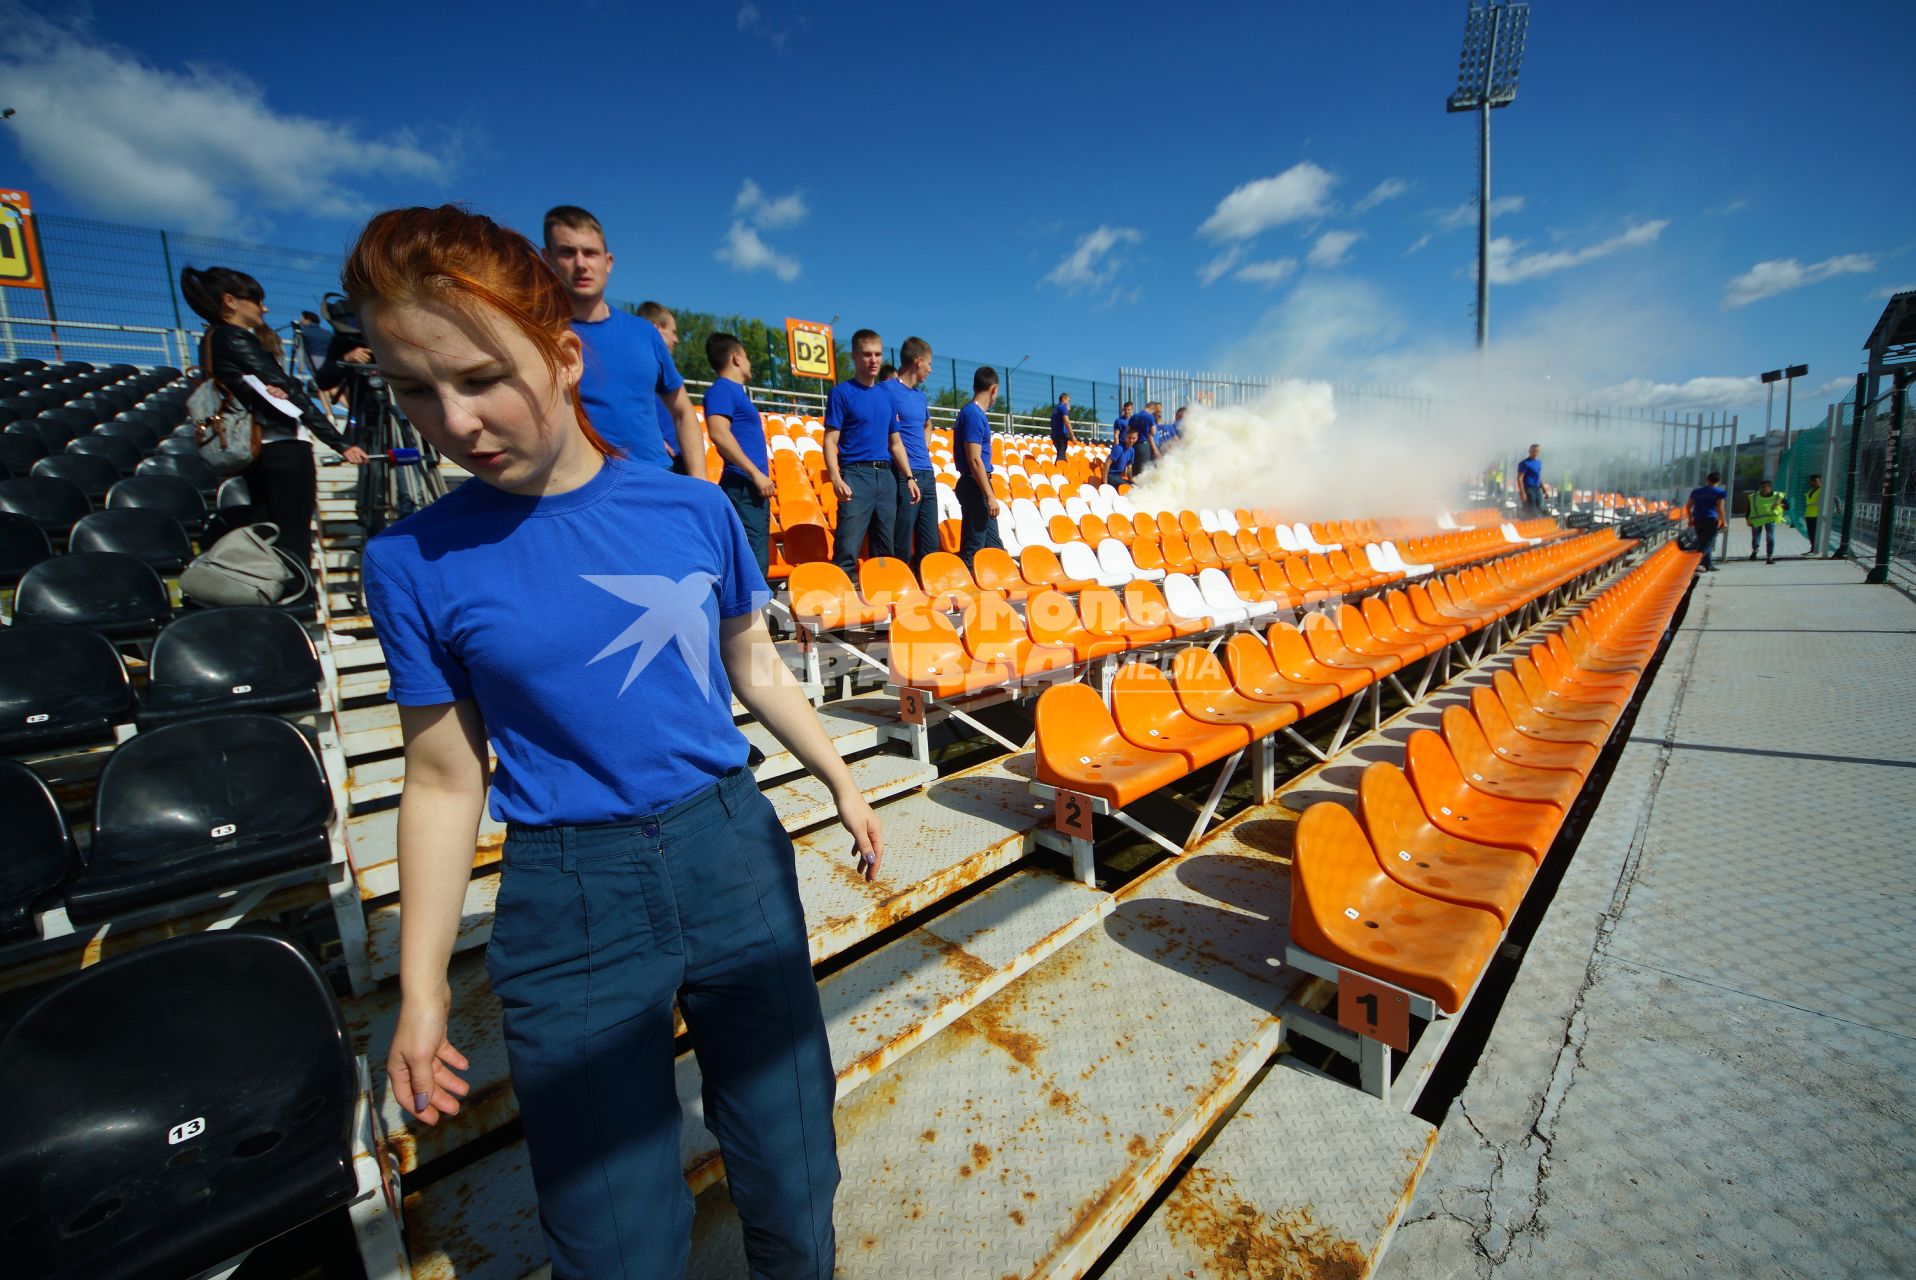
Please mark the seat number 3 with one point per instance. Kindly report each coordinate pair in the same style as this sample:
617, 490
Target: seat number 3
181, 1132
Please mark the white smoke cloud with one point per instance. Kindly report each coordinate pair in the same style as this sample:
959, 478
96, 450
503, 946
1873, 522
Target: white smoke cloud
1300, 192
1094, 262
1388, 189
1333, 248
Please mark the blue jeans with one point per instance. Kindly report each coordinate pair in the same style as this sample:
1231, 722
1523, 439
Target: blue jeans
872, 508
1765, 533
977, 529
915, 535
754, 512
597, 929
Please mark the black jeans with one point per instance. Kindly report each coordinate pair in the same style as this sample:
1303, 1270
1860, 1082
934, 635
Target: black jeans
872, 509
754, 512
977, 529
915, 535
284, 485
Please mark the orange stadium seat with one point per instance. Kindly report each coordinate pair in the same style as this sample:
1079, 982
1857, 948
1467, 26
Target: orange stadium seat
1081, 749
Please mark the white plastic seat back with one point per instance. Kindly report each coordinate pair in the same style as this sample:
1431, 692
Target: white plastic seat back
1081, 562
1100, 504
1008, 533
1123, 505
1286, 539
1444, 521
1089, 492
1182, 595
1378, 560
1227, 520
1116, 559
809, 445
777, 443
1048, 507
1402, 565
1221, 594
1025, 511
1076, 508
1207, 520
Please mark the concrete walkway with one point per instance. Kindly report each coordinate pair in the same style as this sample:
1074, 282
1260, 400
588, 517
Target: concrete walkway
1707, 1064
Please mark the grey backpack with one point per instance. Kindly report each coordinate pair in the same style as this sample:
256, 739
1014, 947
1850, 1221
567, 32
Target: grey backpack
223, 429
244, 567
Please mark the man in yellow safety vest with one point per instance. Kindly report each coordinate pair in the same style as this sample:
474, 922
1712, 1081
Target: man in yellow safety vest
1812, 510
1766, 509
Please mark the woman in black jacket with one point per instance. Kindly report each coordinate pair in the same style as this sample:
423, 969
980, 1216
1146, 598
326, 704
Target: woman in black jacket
282, 481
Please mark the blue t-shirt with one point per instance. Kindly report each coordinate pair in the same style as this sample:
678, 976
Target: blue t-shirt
865, 418
1530, 473
1119, 425
972, 427
1119, 460
1145, 425
914, 412
728, 399
627, 369
668, 427
586, 629
1703, 500
1171, 430
1060, 416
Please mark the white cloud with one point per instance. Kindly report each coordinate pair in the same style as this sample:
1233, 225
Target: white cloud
752, 205
1300, 192
1889, 291
1267, 273
1724, 210
1388, 189
199, 148
1780, 275
751, 21
1095, 262
1213, 271
1464, 215
1509, 264
1332, 248
744, 250
1720, 392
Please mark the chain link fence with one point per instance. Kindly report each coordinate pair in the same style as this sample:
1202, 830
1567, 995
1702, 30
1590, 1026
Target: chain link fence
1829, 450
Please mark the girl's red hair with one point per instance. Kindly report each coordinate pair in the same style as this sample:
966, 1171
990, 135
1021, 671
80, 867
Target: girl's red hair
410, 255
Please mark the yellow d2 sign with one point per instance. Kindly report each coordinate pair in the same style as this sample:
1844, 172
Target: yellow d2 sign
19, 248
811, 349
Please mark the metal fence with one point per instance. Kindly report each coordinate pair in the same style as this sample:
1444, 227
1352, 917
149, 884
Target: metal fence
1830, 450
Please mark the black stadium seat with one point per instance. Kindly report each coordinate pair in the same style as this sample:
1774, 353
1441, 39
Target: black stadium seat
51, 503
147, 532
181, 445
36, 851
94, 475
177, 497
141, 435
56, 432
60, 686
202, 804
244, 658
202, 477
118, 596
170, 1109
23, 544
123, 454
19, 451
76, 421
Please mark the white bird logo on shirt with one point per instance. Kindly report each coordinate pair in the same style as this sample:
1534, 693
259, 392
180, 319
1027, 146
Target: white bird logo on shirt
674, 611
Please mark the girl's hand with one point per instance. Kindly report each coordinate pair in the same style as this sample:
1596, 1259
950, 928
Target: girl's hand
868, 842
422, 1063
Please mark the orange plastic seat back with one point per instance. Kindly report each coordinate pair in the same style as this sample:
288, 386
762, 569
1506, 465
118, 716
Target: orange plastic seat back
1062, 529
1300, 576
1203, 554
943, 572
888, 581
1121, 527
1147, 555
997, 571
1051, 619
1168, 524
1177, 553
1245, 581
1101, 612
1321, 569
1276, 585
1040, 564
823, 595
993, 631
1196, 672
1189, 522
924, 650
1247, 545
1092, 529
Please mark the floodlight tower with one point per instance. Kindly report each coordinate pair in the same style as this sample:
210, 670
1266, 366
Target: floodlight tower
1494, 32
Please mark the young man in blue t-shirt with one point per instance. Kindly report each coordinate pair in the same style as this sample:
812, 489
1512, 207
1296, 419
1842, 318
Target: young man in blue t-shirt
738, 433
864, 457
1117, 466
667, 324
1062, 436
971, 442
1530, 480
1707, 516
628, 368
1144, 433
915, 535
1122, 423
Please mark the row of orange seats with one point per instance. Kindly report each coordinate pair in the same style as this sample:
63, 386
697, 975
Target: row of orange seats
1159, 728
1417, 889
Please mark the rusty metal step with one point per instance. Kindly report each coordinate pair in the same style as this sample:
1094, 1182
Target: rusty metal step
983, 826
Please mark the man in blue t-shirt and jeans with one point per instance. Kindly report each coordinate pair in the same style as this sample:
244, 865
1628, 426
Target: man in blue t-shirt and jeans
1062, 436
738, 433
971, 442
864, 457
1530, 478
1706, 516
628, 369
915, 535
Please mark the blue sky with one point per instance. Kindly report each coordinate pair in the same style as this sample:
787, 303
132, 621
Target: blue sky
1688, 192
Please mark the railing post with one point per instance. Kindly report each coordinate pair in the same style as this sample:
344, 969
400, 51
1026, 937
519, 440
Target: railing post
1843, 551
1892, 476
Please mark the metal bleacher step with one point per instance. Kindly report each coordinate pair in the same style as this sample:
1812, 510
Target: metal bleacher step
1309, 1178
939, 841
1023, 1137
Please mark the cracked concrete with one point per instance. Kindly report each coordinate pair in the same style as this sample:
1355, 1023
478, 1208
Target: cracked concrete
1694, 1073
